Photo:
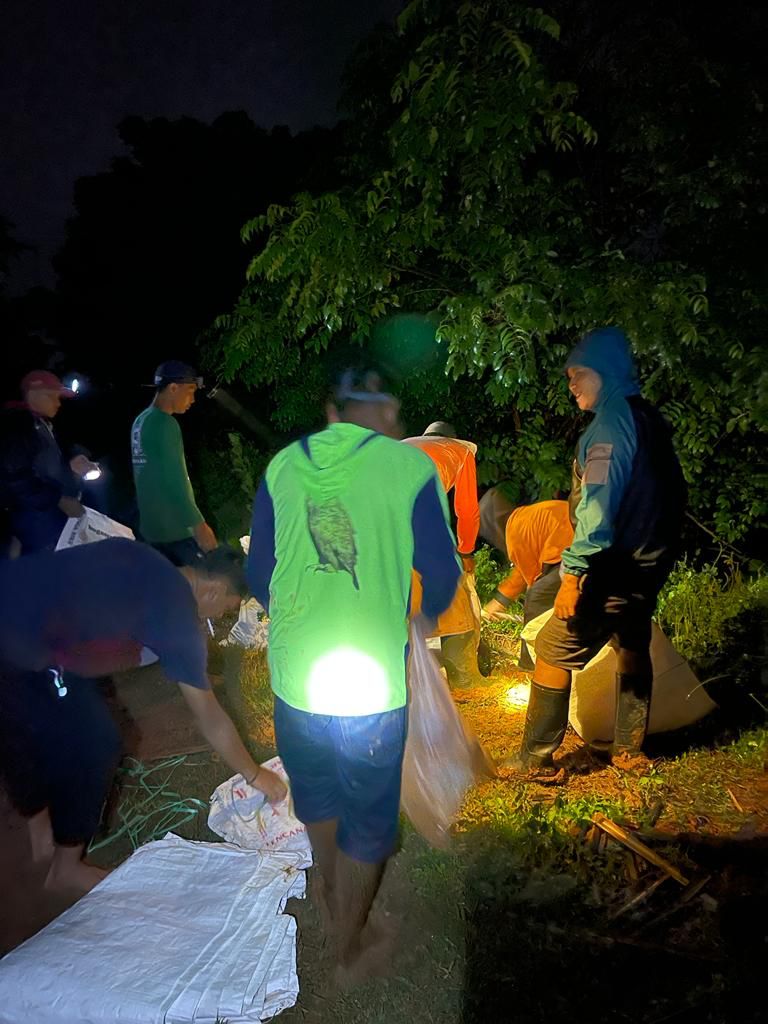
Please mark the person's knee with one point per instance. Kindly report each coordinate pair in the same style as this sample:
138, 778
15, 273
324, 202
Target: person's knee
550, 675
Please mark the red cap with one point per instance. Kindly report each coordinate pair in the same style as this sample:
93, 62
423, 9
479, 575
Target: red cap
44, 380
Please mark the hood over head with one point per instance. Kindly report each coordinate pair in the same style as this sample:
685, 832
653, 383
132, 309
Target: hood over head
606, 351
331, 458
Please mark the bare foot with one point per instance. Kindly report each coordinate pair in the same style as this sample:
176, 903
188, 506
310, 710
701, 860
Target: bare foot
40, 836
373, 955
79, 877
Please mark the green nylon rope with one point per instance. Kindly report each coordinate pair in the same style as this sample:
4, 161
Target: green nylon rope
148, 808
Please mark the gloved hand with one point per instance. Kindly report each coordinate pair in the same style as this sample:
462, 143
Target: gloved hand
567, 597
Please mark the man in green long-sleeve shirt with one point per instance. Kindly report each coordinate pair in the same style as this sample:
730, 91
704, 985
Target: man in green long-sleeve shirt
169, 518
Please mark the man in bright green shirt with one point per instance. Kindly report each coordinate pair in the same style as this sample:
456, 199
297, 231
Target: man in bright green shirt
169, 518
340, 521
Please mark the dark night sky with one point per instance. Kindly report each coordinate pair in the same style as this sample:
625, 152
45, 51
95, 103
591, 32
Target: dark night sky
70, 70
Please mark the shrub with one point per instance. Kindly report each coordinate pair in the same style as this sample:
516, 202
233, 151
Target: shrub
718, 620
489, 572
227, 472
700, 609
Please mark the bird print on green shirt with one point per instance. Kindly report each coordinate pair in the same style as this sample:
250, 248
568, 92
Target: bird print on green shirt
334, 538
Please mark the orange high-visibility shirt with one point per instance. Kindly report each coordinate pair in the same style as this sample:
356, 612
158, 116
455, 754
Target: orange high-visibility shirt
536, 535
455, 463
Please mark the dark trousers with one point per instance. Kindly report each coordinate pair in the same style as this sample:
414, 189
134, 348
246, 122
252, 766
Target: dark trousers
58, 752
539, 598
37, 529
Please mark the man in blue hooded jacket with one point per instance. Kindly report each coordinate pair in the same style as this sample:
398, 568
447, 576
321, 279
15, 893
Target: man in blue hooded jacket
627, 504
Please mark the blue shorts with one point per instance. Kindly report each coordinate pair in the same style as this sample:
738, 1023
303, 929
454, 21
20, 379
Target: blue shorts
347, 768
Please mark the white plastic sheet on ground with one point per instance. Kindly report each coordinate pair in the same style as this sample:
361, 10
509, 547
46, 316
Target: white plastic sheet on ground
90, 527
677, 698
240, 814
180, 933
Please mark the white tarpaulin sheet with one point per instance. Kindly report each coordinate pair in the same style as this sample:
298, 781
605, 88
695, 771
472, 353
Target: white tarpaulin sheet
90, 527
677, 698
181, 932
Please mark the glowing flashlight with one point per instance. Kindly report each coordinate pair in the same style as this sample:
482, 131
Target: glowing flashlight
75, 385
93, 474
517, 696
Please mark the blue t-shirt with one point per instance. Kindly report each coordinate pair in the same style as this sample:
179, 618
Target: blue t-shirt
91, 609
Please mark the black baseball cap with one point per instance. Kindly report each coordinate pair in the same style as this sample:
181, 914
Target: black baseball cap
173, 371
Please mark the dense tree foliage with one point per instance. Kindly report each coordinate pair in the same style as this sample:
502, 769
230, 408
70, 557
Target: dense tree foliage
523, 184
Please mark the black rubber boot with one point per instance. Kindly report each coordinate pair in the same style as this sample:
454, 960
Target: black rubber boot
545, 725
459, 657
633, 703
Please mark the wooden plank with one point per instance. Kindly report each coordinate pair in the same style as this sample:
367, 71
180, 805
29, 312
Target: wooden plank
631, 863
735, 802
691, 892
633, 843
641, 897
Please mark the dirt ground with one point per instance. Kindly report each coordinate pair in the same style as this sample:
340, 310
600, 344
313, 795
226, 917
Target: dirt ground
524, 918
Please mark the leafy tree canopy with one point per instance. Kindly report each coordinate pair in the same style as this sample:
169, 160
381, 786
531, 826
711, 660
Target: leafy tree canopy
523, 184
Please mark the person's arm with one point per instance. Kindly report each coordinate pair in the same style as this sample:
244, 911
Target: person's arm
205, 537
81, 464
72, 508
219, 730
467, 507
170, 628
607, 470
21, 484
434, 549
508, 591
261, 549
177, 487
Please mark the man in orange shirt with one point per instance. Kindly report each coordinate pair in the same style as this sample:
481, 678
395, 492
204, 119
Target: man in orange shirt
458, 627
536, 536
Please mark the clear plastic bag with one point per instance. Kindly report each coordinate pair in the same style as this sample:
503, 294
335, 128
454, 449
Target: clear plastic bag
443, 757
